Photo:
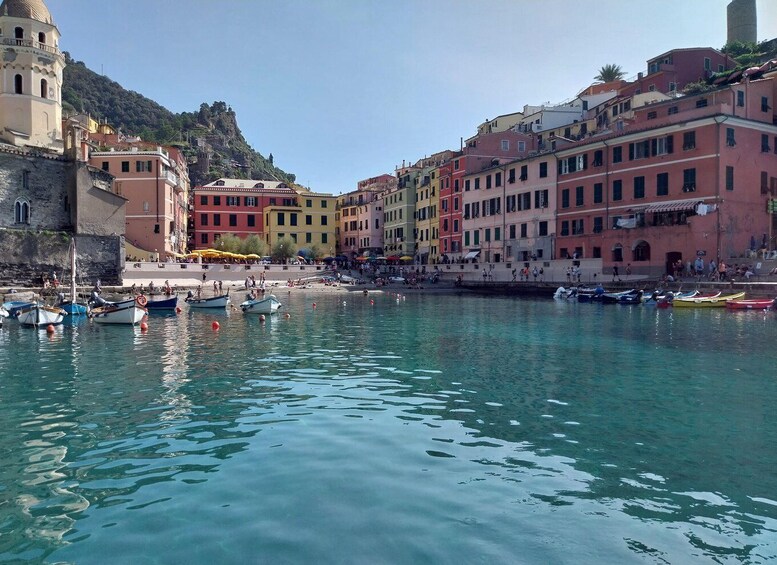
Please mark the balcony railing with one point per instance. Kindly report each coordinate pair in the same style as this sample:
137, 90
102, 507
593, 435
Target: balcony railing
32, 44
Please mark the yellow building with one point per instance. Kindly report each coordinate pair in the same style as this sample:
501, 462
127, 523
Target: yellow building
307, 220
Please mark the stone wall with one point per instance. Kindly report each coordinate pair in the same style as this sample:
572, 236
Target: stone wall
25, 255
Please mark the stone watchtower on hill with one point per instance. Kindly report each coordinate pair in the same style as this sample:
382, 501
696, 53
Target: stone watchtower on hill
31, 85
48, 193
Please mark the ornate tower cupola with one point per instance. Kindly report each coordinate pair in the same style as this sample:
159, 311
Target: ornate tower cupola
31, 67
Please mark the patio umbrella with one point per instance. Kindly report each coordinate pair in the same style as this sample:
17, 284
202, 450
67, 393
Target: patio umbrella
406, 258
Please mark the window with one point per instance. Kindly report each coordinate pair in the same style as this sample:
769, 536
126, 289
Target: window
524, 230
488, 234
598, 197
639, 187
498, 179
524, 172
324, 219
765, 104
598, 224
543, 228
617, 190
216, 219
308, 220
456, 165
22, 212
477, 183
662, 184
598, 158
455, 185
662, 145
730, 141
729, 178
324, 202
250, 201
578, 227
488, 181
740, 97
292, 219
540, 198
652, 115
204, 238
505, 145
764, 143
106, 166
142, 166
125, 166
579, 196
466, 185
701, 103
617, 154
497, 234
672, 110
18, 85
565, 227
543, 170
44, 88
251, 218
689, 140
233, 201
324, 238
281, 219
217, 200
639, 150
707, 64
689, 180
672, 87
233, 220
203, 219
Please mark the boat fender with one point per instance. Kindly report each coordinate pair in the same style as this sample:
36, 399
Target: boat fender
141, 301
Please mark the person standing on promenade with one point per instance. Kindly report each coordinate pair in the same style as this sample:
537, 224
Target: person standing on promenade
615, 274
722, 271
485, 275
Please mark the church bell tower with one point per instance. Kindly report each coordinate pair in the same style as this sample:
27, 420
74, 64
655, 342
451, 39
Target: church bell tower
31, 66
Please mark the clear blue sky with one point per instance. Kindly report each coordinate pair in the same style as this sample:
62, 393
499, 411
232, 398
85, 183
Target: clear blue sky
339, 91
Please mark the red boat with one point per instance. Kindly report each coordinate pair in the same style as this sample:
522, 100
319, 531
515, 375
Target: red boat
753, 304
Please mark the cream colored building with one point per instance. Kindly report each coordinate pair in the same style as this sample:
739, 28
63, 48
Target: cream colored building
30, 76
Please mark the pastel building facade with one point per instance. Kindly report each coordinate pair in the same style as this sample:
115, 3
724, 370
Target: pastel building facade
690, 177
155, 182
270, 209
360, 218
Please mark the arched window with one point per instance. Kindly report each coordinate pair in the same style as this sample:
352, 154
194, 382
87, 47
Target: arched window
617, 253
18, 84
641, 251
41, 37
22, 212
19, 33
44, 88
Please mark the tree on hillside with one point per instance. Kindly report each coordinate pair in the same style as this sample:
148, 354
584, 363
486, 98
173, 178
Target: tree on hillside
610, 73
745, 53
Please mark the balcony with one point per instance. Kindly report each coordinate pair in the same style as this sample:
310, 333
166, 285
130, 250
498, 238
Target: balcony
29, 43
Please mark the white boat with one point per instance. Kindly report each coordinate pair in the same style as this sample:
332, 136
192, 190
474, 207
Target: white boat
39, 315
3, 314
131, 314
212, 302
266, 305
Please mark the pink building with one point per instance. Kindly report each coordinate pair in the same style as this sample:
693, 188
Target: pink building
360, 223
155, 182
690, 177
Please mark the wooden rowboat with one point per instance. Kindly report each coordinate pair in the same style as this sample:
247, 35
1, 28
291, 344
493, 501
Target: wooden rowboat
753, 304
718, 301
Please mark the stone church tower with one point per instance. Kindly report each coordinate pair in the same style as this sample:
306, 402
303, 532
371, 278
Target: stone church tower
31, 67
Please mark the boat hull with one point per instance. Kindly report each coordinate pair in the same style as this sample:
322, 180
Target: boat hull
166, 304
74, 309
267, 305
38, 316
706, 302
213, 302
755, 304
15, 306
127, 315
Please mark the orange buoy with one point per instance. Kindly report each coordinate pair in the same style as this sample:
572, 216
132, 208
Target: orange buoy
261, 317
287, 315
314, 305
215, 325
50, 329
177, 309
144, 327
372, 302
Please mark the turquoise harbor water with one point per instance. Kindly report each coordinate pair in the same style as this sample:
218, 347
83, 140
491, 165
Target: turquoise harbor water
434, 429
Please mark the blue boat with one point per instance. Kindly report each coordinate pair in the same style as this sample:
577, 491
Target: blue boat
15, 306
74, 309
164, 304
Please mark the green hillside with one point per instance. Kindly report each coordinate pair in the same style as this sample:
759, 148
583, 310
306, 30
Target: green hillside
210, 136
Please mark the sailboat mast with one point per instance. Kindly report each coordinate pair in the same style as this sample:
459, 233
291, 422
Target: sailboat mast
73, 270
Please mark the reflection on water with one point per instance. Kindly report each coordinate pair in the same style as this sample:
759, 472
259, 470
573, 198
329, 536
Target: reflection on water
421, 429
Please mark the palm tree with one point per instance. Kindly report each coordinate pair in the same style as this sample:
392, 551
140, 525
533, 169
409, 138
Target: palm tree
610, 73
